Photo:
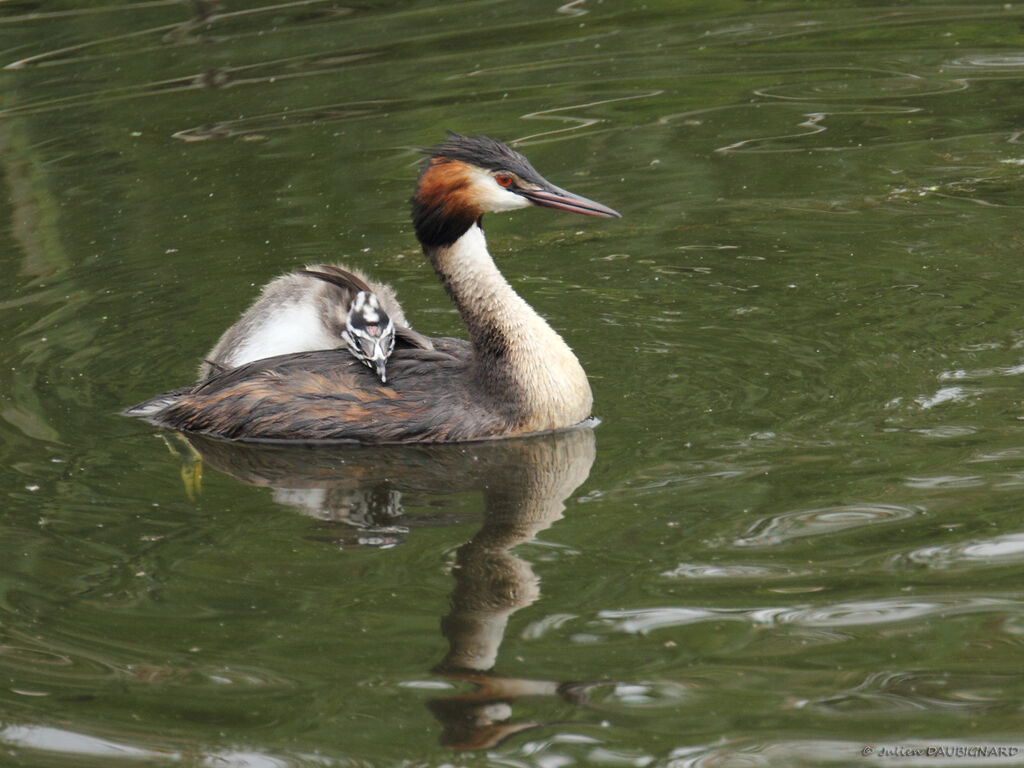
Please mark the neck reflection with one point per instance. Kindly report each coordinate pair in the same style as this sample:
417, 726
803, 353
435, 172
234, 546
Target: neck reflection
359, 492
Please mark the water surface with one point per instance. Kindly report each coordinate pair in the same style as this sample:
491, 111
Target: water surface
794, 535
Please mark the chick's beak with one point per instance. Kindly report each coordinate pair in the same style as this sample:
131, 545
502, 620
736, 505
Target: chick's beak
560, 199
380, 361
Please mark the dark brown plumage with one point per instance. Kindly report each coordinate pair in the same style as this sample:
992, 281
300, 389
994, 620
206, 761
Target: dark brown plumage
514, 376
329, 395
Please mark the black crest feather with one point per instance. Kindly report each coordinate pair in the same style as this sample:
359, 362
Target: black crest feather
484, 152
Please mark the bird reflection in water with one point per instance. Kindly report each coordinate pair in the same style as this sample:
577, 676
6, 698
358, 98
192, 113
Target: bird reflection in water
358, 492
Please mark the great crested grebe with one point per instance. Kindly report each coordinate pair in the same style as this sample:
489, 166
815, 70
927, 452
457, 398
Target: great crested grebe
514, 376
315, 308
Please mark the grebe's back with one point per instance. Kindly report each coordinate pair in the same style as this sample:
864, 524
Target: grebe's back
432, 395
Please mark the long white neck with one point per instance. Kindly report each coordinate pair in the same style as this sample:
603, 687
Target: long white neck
521, 359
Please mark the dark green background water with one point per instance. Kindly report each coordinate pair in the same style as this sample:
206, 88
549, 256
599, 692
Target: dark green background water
797, 532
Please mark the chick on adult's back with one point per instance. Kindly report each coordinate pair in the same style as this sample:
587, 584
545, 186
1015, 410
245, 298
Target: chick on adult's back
301, 311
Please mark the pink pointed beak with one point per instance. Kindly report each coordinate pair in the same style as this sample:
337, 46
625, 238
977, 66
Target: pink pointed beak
563, 200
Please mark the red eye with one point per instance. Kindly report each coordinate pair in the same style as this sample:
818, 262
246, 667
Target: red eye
504, 179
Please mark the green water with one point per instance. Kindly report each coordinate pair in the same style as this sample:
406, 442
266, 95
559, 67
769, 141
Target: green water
795, 534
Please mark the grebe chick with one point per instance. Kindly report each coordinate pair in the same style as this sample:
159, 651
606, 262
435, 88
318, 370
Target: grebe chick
514, 376
369, 333
302, 311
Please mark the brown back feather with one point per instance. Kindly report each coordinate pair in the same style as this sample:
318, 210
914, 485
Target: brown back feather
435, 396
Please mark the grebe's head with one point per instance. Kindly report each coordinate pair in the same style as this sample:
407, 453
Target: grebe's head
468, 176
369, 333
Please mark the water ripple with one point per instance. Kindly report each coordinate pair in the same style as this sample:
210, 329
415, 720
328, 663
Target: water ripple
40, 668
961, 374
639, 695
46, 739
860, 613
944, 481
60, 740
946, 395
857, 613
905, 691
254, 127
574, 123
175, 32
945, 432
572, 8
821, 521
263, 73
643, 620
998, 550
546, 625
994, 61
813, 123
1015, 454
872, 84
732, 571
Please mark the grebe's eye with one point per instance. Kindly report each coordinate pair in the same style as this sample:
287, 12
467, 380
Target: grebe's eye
503, 179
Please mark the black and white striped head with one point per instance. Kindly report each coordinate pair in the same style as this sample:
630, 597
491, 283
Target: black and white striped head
369, 333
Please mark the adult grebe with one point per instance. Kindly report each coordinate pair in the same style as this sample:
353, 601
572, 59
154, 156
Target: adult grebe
515, 375
316, 308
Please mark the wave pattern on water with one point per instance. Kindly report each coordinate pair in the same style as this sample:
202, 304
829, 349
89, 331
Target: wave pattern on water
1002, 550
865, 613
783, 528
